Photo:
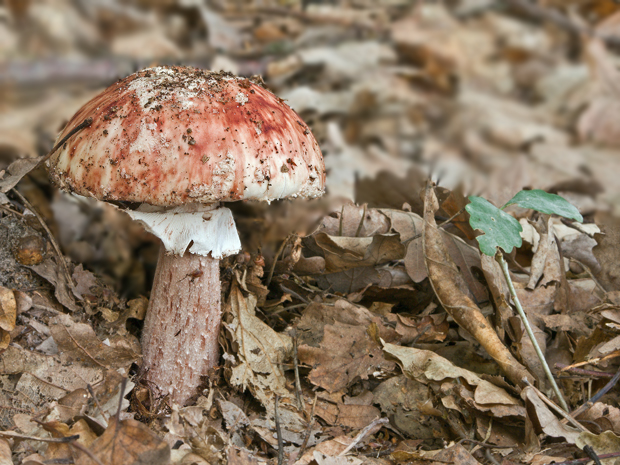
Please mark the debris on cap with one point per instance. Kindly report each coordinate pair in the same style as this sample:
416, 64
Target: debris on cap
171, 135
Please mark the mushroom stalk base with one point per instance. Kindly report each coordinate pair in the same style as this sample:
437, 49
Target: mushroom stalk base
180, 335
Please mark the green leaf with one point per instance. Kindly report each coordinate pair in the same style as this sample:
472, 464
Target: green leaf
499, 228
546, 203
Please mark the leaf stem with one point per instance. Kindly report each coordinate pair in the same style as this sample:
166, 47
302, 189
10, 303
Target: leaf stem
500, 259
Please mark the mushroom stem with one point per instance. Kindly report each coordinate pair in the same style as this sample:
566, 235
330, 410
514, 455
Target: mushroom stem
180, 335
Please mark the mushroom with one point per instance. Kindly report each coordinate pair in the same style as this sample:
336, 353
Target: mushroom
178, 141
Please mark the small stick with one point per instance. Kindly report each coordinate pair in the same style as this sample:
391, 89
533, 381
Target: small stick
484, 444
279, 433
499, 257
588, 459
593, 361
120, 401
275, 259
589, 271
10, 210
372, 427
47, 382
580, 371
304, 444
590, 451
298, 392
612, 382
443, 223
92, 394
359, 226
49, 235
81, 448
84, 124
11, 434
552, 404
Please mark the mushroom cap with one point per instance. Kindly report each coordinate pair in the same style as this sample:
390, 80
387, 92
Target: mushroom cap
173, 135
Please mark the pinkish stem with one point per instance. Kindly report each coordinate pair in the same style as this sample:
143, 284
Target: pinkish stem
180, 335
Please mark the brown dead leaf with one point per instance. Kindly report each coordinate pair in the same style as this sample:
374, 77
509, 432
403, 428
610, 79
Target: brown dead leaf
343, 253
606, 416
408, 402
607, 251
53, 273
346, 353
5, 453
58, 452
128, 442
17, 170
424, 329
79, 342
349, 416
455, 454
500, 292
85, 280
543, 420
237, 456
604, 443
355, 221
450, 289
8, 309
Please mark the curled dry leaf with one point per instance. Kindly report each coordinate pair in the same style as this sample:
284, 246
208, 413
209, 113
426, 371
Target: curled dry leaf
426, 366
260, 350
450, 287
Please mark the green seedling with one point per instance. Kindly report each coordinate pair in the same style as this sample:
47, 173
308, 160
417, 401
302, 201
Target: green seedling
502, 232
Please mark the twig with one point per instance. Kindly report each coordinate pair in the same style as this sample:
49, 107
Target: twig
11, 434
588, 459
580, 371
372, 427
92, 394
81, 448
484, 444
120, 401
590, 274
443, 223
83, 349
552, 404
279, 433
298, 392
490, 458
294, 294
275, 259
359, 226
586, 406
530, 332
49, 235
47, 382
84, 124
10, 210
590, 451
308, 432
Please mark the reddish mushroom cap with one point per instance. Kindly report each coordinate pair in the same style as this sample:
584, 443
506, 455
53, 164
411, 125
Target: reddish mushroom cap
172, 135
